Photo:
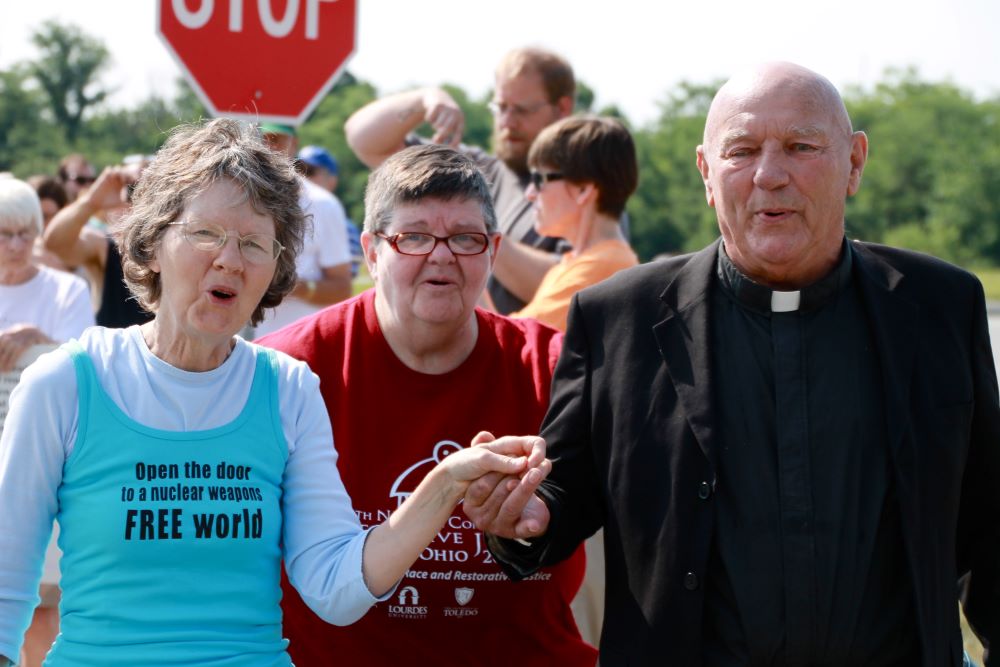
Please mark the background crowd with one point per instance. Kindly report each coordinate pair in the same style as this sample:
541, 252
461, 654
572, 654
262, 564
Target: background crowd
572, 199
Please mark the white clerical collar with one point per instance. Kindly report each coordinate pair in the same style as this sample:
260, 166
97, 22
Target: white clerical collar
785, 302
764, 300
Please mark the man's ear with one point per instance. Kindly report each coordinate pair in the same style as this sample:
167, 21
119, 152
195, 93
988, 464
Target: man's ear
702, 163
859, 157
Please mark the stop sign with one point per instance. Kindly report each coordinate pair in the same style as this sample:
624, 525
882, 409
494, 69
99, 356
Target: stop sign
262, 60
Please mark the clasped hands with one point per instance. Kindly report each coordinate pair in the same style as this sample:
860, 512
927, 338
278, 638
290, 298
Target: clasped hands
500, 477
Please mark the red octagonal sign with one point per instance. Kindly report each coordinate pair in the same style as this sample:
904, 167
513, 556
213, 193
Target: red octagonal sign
262, 60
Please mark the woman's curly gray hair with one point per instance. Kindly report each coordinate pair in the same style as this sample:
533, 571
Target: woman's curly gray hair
192, 159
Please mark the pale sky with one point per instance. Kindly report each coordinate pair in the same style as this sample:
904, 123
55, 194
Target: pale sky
632, 52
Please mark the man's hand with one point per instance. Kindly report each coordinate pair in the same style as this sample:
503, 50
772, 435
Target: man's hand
505, 505
443, 114
379, 129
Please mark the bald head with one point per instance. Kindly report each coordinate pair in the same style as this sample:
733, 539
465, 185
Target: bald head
779, 160
775, 80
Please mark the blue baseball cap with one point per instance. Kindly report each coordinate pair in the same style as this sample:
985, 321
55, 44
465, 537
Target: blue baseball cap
318, 156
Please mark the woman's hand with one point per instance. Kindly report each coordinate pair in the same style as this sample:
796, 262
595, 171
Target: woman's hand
15, 340
509, 458
507, 506
396, 543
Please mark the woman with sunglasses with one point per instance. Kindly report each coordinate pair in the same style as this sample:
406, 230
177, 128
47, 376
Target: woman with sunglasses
182, 462
583, 170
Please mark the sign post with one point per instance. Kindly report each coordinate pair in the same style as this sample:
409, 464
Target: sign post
260, 60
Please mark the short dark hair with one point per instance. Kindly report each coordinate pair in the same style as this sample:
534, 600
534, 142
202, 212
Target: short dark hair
193, 159
554, 70
591, 149
49, 187
424, 172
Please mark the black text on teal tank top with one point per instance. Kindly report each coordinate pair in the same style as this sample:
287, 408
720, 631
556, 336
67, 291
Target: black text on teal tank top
171, 540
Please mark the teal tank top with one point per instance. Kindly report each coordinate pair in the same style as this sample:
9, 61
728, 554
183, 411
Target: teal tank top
171, 540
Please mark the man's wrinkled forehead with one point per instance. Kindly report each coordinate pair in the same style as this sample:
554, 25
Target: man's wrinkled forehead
773, 91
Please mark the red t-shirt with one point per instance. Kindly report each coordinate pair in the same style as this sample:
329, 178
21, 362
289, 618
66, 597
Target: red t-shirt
391, 425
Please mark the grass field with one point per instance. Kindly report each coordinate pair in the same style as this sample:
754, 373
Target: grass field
991, 283
362, 281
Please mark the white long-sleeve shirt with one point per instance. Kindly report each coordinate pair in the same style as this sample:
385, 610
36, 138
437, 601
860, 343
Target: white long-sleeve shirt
322, 539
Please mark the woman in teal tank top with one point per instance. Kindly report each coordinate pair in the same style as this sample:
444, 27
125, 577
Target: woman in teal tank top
183, 463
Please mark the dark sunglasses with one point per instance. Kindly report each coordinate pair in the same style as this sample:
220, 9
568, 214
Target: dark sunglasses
538, 179
83, 180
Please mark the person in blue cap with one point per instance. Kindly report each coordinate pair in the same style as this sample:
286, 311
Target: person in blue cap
318, 166
324, 265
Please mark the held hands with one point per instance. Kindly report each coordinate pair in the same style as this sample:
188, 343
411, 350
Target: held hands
443, 114
397, 542
510, 458
505, 504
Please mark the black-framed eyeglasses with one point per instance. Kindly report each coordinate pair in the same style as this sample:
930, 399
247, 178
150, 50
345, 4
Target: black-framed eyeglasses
418, 243
516, 110
205, 236
538, 179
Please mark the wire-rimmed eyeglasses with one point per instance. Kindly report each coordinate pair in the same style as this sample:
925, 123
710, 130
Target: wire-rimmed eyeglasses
255, 248
418, 243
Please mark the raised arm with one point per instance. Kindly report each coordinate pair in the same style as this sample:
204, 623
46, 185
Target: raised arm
379, 129
67, 236
520, 267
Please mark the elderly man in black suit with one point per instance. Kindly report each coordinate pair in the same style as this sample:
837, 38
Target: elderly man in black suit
792, 440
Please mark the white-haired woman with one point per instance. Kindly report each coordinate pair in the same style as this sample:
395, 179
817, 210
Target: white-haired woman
38, 306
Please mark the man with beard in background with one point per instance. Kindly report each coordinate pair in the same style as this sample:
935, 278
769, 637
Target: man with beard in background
533, 89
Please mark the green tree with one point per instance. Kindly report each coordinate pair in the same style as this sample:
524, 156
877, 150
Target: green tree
478, 119
186, 106
668, 211
67, 72
931, 181
325, 127
20, 124
584, 102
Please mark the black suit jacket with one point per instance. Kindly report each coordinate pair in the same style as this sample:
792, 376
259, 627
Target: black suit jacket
633, 440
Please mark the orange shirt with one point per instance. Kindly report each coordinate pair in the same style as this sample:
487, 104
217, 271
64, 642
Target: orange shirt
598, 262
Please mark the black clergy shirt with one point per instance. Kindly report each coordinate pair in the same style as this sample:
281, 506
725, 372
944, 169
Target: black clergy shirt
807, 565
